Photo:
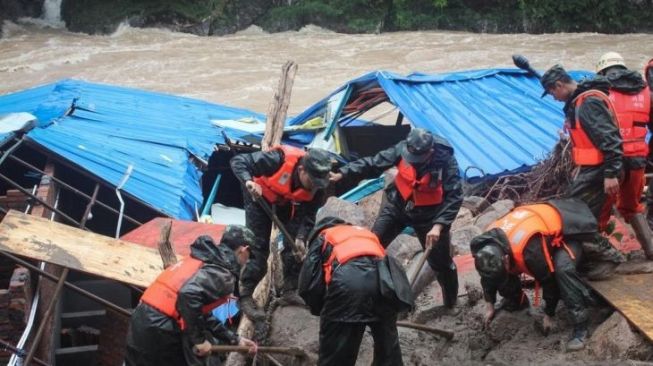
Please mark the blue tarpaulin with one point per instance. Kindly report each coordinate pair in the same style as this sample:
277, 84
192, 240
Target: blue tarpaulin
494, 118
104, 129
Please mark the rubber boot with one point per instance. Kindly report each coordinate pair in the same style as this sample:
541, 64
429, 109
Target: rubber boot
643, 234
448, 280
289, 295
578, 338
424, 278
249, 308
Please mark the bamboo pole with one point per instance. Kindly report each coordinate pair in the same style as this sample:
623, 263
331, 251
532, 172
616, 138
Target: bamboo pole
441, 332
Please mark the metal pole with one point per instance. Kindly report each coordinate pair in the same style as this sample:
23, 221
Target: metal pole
20, 352
46, 317
26, 192
73, 189
82, 224
79, 290
10, 150
128, 174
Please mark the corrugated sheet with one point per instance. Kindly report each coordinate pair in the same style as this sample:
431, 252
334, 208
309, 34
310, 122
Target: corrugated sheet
495, 118
111, 128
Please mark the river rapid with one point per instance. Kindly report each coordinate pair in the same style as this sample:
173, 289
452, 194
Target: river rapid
243, 69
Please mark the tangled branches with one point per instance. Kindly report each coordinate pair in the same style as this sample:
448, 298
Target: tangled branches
548, 179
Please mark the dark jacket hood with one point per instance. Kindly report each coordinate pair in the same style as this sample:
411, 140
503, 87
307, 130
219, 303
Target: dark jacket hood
626, 81
495, 237
598, 82
205, 249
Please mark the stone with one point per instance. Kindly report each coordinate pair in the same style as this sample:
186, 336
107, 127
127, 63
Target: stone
475, 204
293, 326
460, 238
615, 339
345, 210
634, 267
507, 325
370, 206
464, 218
493, 213
404, 248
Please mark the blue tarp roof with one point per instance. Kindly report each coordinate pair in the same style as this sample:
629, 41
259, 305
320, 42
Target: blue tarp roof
494, 118
112, 127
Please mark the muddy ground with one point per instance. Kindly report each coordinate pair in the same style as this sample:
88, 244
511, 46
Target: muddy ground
512, 338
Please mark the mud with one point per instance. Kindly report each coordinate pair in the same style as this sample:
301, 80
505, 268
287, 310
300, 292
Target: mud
511, 338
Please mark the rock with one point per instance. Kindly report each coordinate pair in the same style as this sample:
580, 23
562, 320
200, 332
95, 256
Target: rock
635, 267
507, 324
293, 326
615, 339
474, 293
404, 248
370, 206
460, 238
464, 218
493, 213
345, 210
475, 204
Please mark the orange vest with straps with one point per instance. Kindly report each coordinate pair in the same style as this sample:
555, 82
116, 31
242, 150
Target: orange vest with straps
525, 221
421, 191
278, 187
583, 151
162, 294
632, 115
349, 242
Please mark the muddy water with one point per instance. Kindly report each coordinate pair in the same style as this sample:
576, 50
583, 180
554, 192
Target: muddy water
243, 69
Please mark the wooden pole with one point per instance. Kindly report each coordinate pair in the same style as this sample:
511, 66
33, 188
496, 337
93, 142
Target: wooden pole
292, 351
441, 332
165, 246
276, 119
277, 112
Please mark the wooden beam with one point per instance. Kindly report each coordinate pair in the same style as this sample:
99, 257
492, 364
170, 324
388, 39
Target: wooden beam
632, 296
79, 250
165, 247
278, 110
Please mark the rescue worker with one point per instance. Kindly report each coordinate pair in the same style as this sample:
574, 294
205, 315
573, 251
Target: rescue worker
339, 281
596, 149
631, 99
292, 181
426, 195
543, 241
173, 324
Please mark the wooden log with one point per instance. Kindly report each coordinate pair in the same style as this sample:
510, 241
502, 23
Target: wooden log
441, 332
277, 112
168, 255
292, 351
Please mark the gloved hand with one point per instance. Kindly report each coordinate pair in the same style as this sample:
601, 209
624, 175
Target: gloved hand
254, 189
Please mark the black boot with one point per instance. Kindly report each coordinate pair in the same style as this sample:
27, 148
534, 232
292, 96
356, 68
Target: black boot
448, 280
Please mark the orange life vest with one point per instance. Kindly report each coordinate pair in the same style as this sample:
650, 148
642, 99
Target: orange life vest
421, 191
278, 187
583, 151
349, 242
162, 294
632, 115
525, 221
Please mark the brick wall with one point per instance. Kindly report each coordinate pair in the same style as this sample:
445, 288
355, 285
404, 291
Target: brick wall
15, 303
113, 339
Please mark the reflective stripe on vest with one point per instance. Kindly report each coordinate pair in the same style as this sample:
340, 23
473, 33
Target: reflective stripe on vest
349, 242
421, 191
583, 151
278, 187
525, 221
162, 294
632, 115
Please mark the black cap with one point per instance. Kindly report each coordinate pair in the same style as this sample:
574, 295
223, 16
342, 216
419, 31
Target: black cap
489, 261
418, 145
317, 163
555, 73
235, 236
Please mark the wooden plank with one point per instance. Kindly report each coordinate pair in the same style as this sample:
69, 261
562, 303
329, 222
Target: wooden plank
632, 296
79, 250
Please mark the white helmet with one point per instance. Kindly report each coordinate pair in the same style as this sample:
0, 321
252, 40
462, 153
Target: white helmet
609, 59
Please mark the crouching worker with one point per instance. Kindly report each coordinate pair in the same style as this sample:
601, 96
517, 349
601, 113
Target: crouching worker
350, 283
173, 324
543, 241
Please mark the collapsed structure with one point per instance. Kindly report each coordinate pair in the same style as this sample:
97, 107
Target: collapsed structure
132, 156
